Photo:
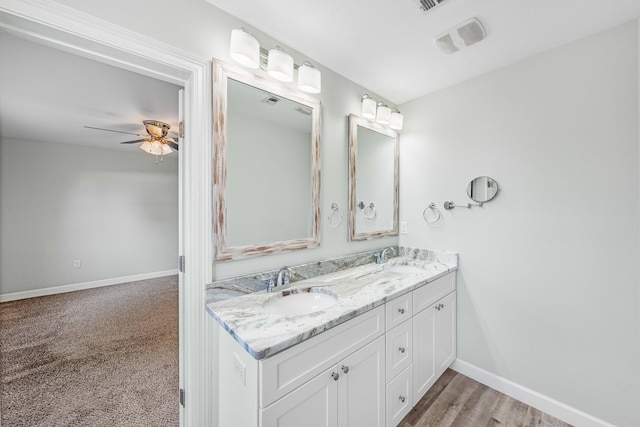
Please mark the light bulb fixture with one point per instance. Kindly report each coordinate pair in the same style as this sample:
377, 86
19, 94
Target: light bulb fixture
368, 107
383, 115
280, 65
244, 48
309, 79
396, 119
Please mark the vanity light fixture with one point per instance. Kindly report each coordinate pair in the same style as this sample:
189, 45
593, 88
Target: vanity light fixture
309, 79
280, 65
246, 50
381, 113
369, 106
396, 119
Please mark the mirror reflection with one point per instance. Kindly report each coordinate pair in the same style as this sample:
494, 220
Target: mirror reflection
373, 176
266, 175
482, 189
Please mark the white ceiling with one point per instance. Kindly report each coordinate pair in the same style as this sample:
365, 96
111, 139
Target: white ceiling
49, 95
387, 45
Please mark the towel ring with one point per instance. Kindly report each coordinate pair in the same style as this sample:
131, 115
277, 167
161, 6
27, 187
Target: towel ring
431, 214
370, 212
335, 216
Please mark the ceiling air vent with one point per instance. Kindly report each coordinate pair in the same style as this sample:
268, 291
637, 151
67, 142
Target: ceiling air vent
425, 5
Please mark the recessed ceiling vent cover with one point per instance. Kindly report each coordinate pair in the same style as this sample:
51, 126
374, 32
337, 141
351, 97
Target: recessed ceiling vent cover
462, 35
425, 5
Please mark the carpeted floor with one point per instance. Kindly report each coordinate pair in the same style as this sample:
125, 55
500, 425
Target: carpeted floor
98, 357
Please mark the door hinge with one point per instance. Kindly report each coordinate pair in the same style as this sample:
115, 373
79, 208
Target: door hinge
181, 129
181, 263
182, 397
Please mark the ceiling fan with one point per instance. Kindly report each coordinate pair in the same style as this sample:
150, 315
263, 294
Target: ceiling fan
155, 142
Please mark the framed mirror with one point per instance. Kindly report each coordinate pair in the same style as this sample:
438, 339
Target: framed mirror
266, 175
482, 189
373, 180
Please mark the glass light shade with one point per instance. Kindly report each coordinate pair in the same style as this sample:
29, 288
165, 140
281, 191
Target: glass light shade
280, 65
368, 108
396, 120
244, 49
156, 148
309, 79
384, 115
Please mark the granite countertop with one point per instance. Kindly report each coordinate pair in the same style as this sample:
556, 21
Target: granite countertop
358, 289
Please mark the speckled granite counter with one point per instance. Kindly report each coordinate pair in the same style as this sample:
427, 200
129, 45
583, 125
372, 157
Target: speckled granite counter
358, 289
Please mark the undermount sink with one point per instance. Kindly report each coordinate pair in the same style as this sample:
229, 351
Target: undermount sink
403, 268
296, 302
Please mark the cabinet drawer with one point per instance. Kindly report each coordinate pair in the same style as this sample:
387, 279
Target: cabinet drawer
398, 310
426, 295
399, 343
291, 368
399, 399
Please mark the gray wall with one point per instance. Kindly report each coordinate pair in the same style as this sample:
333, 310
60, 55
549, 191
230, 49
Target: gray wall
205, 31
116, 212
548, 281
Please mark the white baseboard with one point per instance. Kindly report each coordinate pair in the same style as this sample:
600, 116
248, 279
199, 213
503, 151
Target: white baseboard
532, 398
85, 285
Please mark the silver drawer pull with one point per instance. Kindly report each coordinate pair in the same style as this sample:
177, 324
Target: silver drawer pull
402, 399
401, 349
401, 310
345, 369
335, 376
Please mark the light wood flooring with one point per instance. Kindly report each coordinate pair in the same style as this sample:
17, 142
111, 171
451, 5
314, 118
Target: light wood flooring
456, 400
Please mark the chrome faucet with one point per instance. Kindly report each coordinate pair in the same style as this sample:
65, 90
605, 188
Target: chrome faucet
381, 258
284, 275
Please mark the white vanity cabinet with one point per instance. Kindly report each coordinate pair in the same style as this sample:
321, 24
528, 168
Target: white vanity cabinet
434, 333
349, 394
368, 371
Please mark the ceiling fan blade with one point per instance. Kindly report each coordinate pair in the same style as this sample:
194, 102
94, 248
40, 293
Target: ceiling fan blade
133, 142
173, 145
117, 131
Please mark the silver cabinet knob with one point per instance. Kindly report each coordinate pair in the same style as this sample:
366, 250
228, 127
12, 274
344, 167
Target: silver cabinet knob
345, 369
401, 349
438, 307
401, 310
335, 376
402, 399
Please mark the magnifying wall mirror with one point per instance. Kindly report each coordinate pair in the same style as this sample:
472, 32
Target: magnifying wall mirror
482, 189
373, 180
266, 166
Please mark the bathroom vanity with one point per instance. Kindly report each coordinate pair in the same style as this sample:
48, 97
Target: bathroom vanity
364, 360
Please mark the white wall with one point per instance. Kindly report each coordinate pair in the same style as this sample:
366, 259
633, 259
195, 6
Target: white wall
548, 282
205, 30
114, 211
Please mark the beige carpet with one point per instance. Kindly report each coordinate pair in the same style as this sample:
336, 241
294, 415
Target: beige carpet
99, 357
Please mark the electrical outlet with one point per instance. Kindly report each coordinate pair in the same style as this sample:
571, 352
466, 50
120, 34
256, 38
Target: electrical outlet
404, 227
240, 369
76, 263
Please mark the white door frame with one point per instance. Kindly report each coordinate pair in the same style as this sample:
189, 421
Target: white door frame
74, 31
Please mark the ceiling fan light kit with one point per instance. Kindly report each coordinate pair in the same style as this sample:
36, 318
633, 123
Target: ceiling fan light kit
156, 142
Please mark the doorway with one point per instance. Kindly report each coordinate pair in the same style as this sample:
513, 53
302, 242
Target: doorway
64, 28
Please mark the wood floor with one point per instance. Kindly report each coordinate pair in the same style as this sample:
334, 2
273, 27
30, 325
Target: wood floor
456, 400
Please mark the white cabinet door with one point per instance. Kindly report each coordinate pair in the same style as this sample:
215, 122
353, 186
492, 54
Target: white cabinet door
445, 332
424, 343
361, 387
314, 404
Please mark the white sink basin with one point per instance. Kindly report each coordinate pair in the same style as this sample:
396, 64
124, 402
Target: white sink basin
296, 302
403, 268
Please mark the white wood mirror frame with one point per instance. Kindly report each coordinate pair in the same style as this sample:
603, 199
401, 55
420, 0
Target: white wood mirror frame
222, 72
354, 233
